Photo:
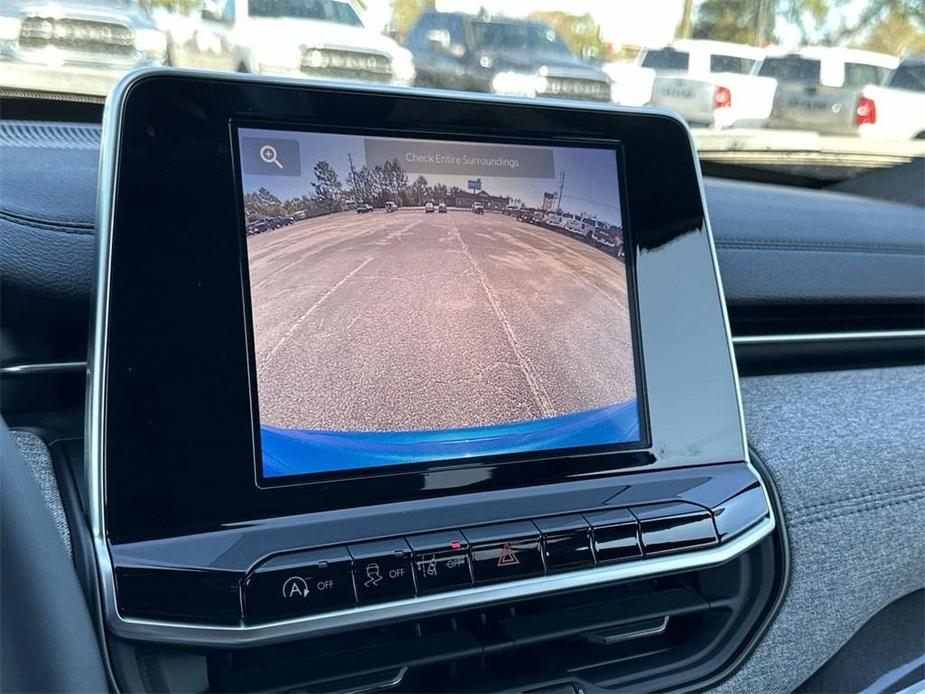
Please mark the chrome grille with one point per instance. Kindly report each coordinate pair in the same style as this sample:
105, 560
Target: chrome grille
572, 88
348, 64
76, 35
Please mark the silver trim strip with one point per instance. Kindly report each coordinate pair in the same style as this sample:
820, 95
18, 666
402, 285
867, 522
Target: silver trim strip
214, 635
828, 337
630, 635
191, 634
51, 367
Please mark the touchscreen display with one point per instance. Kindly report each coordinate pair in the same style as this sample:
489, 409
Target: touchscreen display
424, 300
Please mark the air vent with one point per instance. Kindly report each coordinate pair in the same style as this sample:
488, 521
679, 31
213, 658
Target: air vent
662, 633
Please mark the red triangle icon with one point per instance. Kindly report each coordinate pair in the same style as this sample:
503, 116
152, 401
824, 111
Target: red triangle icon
507, 557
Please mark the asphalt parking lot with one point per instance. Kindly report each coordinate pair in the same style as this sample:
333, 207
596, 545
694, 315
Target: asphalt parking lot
409, 320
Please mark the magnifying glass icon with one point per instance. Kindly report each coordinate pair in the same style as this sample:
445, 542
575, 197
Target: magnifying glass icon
269, 156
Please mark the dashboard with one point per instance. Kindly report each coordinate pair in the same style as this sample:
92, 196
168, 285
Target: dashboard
465, 413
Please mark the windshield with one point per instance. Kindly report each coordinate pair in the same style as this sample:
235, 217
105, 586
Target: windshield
666, 59
520, 36
909, 76
791, 68
324, 10
773, 87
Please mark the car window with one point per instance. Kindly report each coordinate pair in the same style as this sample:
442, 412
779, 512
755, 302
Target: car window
859, 74
227, 13
666, 59
324, 10
792, 68
730, 63
909, 76
524, 36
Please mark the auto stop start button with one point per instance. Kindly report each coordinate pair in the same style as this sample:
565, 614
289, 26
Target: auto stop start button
297, 584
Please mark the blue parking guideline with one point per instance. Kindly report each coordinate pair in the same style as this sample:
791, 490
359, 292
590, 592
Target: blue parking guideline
300, 452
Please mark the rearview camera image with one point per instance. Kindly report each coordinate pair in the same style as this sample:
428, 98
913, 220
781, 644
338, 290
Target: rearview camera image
422, 300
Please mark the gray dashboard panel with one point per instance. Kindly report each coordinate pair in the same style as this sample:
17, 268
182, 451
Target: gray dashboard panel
846, 450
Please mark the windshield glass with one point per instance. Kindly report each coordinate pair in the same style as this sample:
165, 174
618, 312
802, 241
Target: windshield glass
909, 76
792, 68
519, 36
666, 59
765, 86
324, 10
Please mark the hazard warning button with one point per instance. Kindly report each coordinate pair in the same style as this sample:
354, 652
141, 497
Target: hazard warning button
505, 552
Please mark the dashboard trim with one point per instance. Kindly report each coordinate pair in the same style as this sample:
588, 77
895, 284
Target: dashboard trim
178, 633
828, 337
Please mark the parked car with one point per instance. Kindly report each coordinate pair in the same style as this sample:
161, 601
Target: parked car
538, 217
391, 206
553, 219
363, 209
441, 208
511, 210
580, 226
50, 45
429, 206
694, 59
709, 82
819, 88
301, 38
525, 214
895, 111
503, 56
478, 208
608, 236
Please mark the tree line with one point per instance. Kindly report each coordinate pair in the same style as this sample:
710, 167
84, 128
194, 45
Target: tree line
387, 182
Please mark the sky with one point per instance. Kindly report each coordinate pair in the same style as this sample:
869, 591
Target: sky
591, 184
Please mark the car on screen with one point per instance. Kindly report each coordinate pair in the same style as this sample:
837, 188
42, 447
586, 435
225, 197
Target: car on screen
441, 208
478, 208
429, 207
364, 209
391, 206
580, 226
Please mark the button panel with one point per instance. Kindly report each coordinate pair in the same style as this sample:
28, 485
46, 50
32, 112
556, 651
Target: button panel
441, 561
566, 542
298, 584
382, 571
674, 527
616, 535
505, 552
335, 578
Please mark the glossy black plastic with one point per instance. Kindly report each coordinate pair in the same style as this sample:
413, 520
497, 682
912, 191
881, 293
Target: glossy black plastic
441, 561
566, 542
616, 535
299, 584
505, 552
674, 527
382, 570
179, 447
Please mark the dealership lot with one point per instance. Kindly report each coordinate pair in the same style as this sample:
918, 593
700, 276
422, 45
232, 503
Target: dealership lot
415, 320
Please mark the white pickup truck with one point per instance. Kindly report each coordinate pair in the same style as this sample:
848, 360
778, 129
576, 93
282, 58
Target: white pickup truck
897, 110
299, 38
703, 81
819, 88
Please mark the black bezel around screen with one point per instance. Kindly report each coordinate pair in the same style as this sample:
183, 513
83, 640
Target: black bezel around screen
171, 431
472, 461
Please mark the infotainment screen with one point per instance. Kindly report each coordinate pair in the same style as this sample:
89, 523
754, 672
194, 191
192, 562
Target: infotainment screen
417, 300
